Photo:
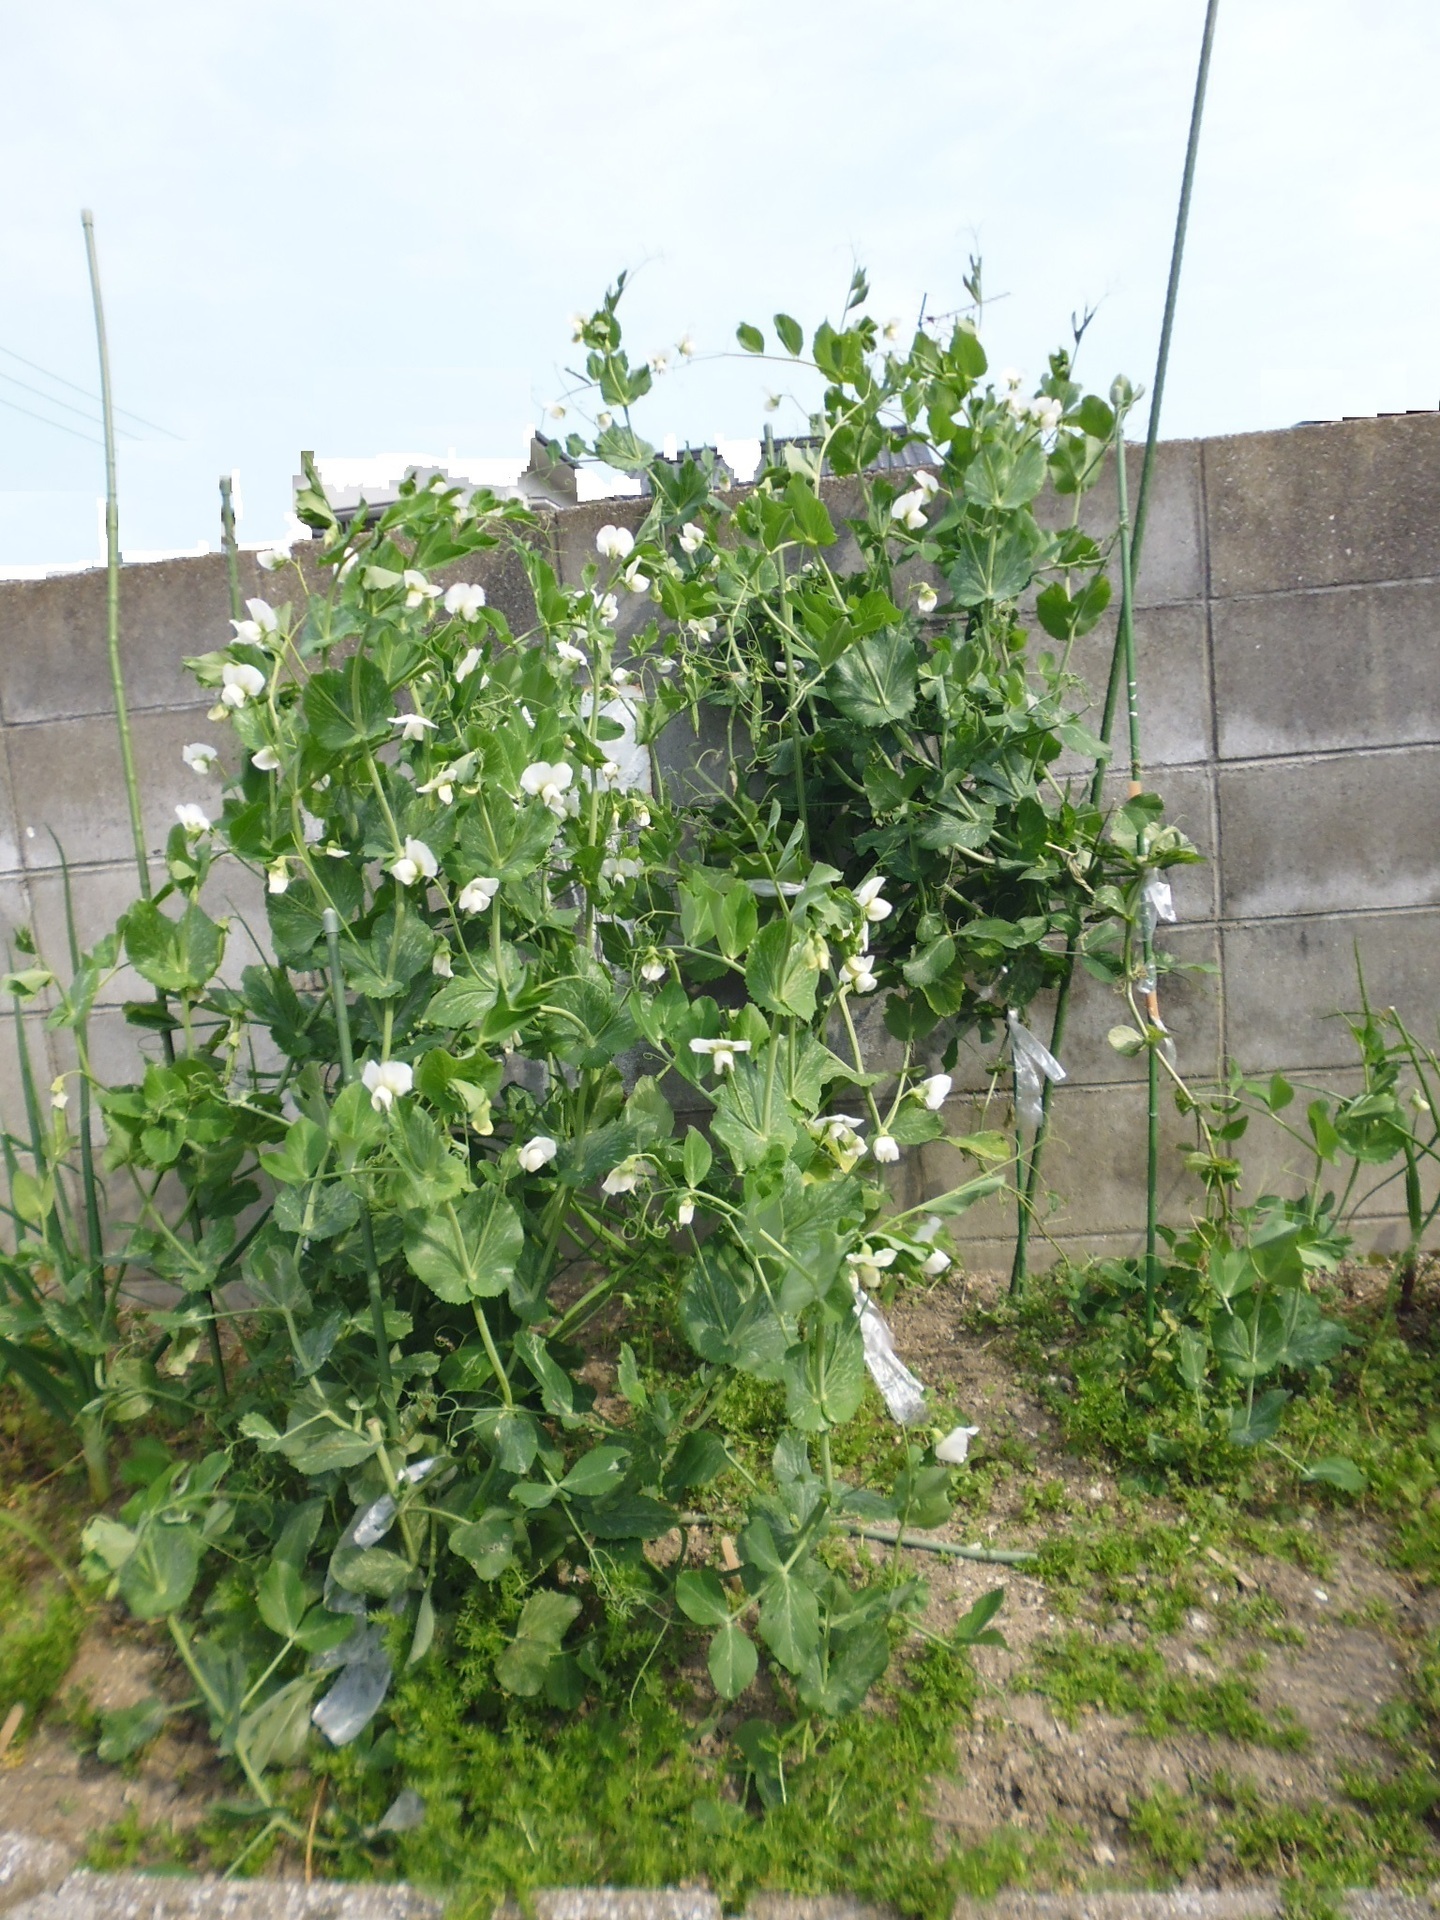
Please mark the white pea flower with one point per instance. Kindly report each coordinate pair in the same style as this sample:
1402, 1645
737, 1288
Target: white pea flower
442, 786
935, 1263
413, 726
660, 362
1012, 377
891, 329
927, 484
954, 1449
239, 682
266, 760
464, 600
548, 781
653, 968
858, 975
556, 409
640, 814
885, 1149
685, 1212
842, 1130
604, 421
249, 631
609, 771
277, 875
634, 580
193, 819
538, 1152
621, 869
415, 863
867, 896
607, 609
772, 403
614, 543
926, 598
722, 1052
627, 1176
59, 1098
527, 716
569, 656
467, 666
685, 346
387, 1080
866, 1265
417, 588
273, 559
703, 627
909, 509
692, 537
622, 676
198, 757
578, 323
934, 1091
476, 895
440, 964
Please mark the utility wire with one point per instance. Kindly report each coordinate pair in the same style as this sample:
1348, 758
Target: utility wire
59, 425
60, 380
51, 401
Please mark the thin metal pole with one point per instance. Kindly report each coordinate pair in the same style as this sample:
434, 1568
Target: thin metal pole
112, 565
1112, 692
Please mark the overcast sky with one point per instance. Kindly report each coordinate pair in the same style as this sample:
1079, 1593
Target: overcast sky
361, 227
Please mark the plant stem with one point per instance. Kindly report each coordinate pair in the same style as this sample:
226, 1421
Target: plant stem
232, 549
112, 566
331, 922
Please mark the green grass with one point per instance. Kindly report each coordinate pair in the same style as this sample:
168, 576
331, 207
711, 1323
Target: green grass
1075, 1672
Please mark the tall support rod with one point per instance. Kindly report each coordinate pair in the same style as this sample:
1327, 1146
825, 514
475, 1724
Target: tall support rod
227, 535
112, 565
1031, 1192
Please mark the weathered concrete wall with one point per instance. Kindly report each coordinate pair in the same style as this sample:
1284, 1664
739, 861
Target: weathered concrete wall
1289, 660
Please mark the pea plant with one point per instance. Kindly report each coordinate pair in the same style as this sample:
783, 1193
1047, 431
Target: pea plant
513, 930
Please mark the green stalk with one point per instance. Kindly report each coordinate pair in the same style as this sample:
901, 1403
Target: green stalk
112, 566
331, 921
1142, 508
232, 550
93, 1237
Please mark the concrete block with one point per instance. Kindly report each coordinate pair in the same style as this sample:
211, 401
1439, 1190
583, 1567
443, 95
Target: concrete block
814, 1906
1172, 674
1259, 1902
69, 779
618, 1903
29, 1867
1324, 505
1094, 1166
1348, 831
1347, 667
139, 1896
1172, 559
1288, 981
10, 858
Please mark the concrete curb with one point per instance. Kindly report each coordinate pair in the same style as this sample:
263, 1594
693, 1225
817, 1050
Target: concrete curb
39, 1881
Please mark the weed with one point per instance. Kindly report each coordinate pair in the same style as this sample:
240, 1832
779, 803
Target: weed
1075, 1672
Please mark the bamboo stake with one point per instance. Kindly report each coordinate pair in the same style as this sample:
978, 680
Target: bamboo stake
227, 535
1030, 1197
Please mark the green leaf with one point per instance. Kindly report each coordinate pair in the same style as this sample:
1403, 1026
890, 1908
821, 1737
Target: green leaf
855, 1663
961, 1199
1248, 1345
621, 447
730, 1324
972, 1629
488, 1544
512, 1435
273, 1734
781, 973
701, 1598
348, 706
177, 956
1002, 476
370, 1570
1253, 1426
812, 521
1337, 1471
791, 336
544, 1621
597, 1473
698, 1157
468, 1250
630, 1516
502, 841
750, 338
280, 1597
124, 1731
875, 682
790, 1620
159, 1576
1065, 618
732, 1660
825, 1379
990, 568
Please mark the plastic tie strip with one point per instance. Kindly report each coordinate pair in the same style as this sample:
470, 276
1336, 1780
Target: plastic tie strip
1034, 1065
903, 1394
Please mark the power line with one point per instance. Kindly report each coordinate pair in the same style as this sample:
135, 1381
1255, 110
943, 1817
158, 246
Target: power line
51, 401
35, 367
59, 425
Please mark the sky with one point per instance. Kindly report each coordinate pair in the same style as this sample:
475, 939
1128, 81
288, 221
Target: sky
358, 228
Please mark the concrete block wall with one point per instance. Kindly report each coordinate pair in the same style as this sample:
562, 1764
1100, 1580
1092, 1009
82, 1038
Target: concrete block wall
1289, 666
